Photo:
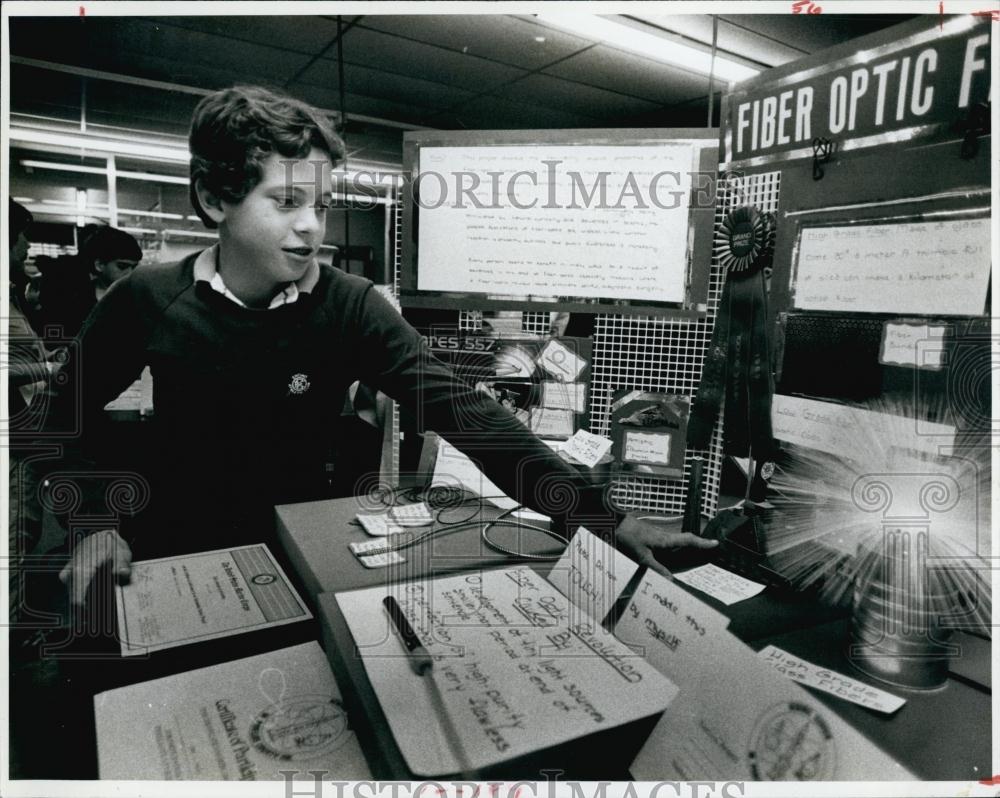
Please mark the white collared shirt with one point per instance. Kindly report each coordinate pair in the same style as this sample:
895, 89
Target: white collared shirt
205, 270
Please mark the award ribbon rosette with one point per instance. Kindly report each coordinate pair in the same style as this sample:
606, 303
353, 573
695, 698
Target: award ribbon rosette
738, 362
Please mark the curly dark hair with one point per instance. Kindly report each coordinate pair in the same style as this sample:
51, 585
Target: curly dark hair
233, 131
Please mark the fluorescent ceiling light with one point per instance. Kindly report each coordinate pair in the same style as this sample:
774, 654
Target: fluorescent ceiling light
139, 230
100, 170
151, 214
191, 233
79, 141
659, 48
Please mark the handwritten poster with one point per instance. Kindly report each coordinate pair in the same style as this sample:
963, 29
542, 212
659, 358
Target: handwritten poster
549, 422
940, 268
516, 671
592, 574
555, 220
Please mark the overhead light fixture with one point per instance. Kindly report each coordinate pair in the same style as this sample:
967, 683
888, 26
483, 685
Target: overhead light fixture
151, 214
660, 48
139, 230
81, 206
100, 170
191, 233
79, 141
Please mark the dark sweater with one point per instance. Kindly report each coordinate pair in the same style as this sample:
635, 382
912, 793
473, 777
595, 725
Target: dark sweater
246, 403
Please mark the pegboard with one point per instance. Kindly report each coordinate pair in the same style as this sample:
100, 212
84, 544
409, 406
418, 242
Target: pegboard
666, 355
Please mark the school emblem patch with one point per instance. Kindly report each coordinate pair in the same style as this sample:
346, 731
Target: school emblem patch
299, 384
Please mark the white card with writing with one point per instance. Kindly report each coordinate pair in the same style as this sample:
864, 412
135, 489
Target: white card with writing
382, 560
828, 427
560, 361
587, 448
546, 421
735, 718
720, 584
378, 524
516, 672
920, 345
592, 574
670, 617
647, 447
565, 395
830, 681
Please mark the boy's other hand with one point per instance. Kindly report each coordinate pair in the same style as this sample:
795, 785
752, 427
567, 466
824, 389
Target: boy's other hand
90, 554
639, 539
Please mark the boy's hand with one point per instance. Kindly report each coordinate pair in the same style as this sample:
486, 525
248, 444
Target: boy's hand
638, 539
90, 554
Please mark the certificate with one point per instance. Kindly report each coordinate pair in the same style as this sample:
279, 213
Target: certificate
173, 601
247, 720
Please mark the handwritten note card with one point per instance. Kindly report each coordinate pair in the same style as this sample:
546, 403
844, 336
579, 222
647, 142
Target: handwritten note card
516, 671
552, 220
720, 584
560, 361
587, 448
565, 395
920, 345
940, 268
664, 622
647, 447
592, 574
830, 681
544, 421
828, 427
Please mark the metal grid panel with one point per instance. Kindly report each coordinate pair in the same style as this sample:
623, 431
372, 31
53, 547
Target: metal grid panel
535, 322
653, 354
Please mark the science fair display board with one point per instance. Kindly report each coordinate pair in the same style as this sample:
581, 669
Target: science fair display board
583, 221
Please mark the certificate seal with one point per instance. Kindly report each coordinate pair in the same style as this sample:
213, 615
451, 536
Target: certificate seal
300, 728
792, 742
263, 579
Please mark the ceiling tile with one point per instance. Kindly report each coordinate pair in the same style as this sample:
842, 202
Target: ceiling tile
385, 85
574, 98
612, 69
494, 113
302, 34
326, 97
430, 62
503, 38
814, 32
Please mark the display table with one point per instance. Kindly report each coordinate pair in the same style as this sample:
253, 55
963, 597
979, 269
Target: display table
939, 735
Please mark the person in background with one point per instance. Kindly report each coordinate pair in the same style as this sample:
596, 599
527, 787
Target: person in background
71, 287
252, 344
30, 371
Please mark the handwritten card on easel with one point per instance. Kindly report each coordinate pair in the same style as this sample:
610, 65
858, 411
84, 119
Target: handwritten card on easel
592, 574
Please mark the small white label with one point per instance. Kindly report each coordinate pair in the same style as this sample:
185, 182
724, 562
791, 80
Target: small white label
561, 362
587, 448
416, 514
647, 447
378, 525
720, 584
546, 421
381, 560
920, 345
565, 395
830, 681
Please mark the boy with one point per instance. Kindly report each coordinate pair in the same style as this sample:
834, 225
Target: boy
252, 344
